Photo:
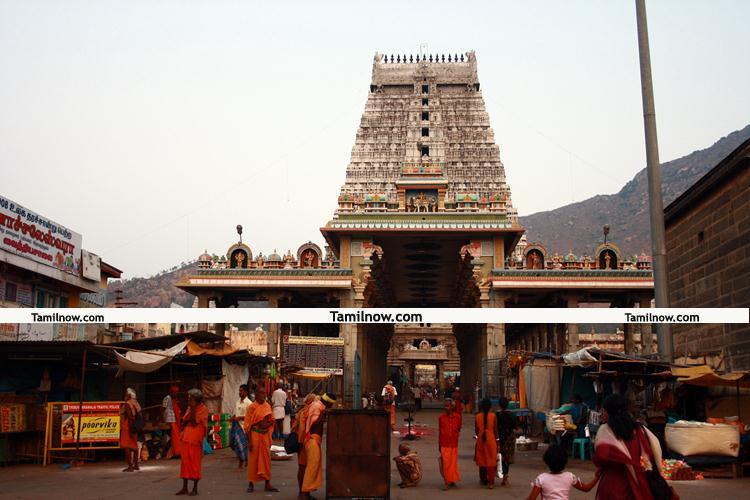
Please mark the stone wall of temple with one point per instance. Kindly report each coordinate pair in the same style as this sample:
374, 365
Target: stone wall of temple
708, 249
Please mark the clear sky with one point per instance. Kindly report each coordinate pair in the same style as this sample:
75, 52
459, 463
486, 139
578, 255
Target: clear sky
155, 127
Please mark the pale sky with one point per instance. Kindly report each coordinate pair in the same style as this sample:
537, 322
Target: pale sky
155, 127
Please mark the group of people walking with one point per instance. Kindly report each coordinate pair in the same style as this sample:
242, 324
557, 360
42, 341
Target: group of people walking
626, 454
495, 433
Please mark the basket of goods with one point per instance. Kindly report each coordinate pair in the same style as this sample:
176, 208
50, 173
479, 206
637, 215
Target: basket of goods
525, 444
678, 470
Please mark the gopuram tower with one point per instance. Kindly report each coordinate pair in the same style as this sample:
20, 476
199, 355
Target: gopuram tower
425, 213
425, 188
426, 116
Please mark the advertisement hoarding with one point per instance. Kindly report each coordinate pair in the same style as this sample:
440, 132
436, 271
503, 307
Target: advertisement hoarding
30, 235
100, 423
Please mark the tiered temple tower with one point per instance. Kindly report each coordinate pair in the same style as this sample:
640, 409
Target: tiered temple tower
425, 114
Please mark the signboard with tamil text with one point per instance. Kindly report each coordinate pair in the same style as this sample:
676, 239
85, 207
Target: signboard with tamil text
315, 354
28, 234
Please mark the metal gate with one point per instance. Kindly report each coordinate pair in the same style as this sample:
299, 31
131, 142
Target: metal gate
353, 383
498, 380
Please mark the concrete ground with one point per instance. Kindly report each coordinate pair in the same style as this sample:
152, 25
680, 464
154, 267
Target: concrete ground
159, 479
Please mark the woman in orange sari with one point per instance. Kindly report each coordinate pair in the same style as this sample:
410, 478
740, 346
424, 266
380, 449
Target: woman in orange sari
128, 435
195, 427
257, 424
485, 450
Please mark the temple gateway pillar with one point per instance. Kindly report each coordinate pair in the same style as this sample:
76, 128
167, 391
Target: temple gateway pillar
573, 342
272, 341
647, 331
494, 338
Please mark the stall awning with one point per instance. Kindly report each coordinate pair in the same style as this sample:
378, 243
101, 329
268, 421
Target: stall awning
705, 376
147, 362
193, 349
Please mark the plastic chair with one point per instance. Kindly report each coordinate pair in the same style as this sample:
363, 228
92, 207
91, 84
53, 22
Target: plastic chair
580, 446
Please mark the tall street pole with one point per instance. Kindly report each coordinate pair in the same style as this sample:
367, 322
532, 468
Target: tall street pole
656, 206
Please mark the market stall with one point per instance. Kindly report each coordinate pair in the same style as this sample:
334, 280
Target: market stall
716, 444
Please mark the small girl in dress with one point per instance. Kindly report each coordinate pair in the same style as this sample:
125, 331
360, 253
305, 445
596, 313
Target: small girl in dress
557, 483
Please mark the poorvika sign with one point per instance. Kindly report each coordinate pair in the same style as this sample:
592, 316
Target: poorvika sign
30, 235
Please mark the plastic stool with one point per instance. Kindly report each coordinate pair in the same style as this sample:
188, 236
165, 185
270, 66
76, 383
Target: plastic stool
580, 445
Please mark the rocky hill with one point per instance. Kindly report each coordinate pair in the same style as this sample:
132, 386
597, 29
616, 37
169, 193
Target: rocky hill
154, 291
578, 226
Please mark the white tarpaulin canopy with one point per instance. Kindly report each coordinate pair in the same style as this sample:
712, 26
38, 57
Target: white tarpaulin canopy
147, 362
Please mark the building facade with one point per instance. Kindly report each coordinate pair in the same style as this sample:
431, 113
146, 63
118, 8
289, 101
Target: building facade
43, 264
708, 251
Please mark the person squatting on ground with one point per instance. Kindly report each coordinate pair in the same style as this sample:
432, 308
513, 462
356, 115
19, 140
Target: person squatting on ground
316, 415
485, 449
449, 427
194, 430
409, 467
506, 431
557, 483
129, 412
239, 438
171, 414
258, 424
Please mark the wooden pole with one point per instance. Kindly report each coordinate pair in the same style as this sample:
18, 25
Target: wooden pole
80, 404
739, 411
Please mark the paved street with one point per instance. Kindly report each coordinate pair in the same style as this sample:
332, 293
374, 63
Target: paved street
222, 479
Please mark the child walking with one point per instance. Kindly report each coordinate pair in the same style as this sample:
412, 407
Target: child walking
557, 483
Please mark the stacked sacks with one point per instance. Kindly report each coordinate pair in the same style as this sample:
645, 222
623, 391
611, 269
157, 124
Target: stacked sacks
219, 430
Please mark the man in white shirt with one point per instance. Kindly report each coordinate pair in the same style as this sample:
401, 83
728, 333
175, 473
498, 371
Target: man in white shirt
171, 415
239, 438
278, 406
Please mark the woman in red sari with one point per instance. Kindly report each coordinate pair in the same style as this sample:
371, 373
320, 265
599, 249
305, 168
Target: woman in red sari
195, 427
624, 451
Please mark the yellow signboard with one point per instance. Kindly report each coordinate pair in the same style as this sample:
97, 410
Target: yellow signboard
100, 422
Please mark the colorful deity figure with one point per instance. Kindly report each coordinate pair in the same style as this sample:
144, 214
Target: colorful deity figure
239, 259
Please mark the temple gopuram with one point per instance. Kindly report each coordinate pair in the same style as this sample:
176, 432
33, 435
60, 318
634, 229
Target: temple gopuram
425, 219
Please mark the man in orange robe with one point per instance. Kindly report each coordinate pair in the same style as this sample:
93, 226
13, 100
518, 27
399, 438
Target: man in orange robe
299, 429
195, 427
485, 450
257, 424
316, 414
128, 436
449, 426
